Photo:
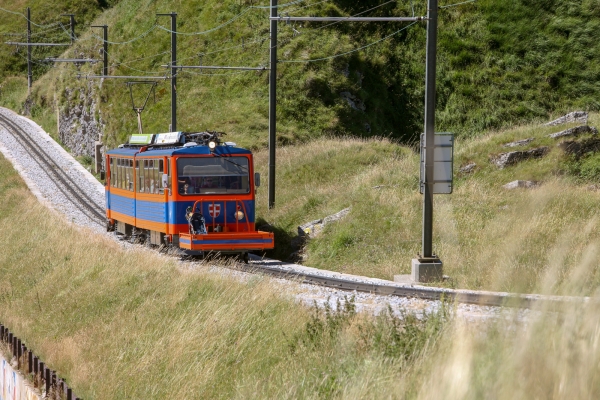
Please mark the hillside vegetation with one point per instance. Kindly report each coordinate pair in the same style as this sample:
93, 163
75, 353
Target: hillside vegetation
499, 63
132, 324
487, 236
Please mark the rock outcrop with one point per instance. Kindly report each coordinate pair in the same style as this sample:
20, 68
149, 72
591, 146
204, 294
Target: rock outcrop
354, 101
580, 148
80, 125
313, 228
575, 116
503, 160
521, 184
576, 131
519, 142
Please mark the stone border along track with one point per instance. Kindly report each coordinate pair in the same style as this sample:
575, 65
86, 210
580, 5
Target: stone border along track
301, 273
69, 188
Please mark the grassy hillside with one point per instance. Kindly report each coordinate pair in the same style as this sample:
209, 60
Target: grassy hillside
499, 63
151, 330
488, 237
155, 329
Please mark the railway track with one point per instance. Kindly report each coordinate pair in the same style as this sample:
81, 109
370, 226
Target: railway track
388, 288
71, 190
78, 198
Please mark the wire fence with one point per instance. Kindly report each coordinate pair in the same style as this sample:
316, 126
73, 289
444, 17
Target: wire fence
41, 376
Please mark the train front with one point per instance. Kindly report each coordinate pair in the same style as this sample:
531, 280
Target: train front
214, 198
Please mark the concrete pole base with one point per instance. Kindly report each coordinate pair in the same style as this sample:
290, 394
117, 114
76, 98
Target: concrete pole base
427, 270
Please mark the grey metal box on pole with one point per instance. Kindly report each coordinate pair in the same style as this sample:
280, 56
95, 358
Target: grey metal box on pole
443, 163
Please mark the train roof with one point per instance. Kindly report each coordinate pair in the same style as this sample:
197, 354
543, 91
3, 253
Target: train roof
222, 150
178, 143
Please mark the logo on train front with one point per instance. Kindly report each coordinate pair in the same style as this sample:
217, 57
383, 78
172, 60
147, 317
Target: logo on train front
214, 210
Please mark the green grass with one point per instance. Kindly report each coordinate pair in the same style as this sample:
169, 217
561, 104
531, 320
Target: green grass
488, 237
499, 63
133, 324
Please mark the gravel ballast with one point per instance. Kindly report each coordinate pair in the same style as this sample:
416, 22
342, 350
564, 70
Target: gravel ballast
46, 191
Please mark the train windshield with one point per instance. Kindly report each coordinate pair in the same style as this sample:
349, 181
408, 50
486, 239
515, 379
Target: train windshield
212, 175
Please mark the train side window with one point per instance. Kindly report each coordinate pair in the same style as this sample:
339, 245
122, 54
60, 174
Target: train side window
168, 173
142, 187
123, 173
112, 172
117, 174
155, 176
130, 175
149, 182
120, 173
138, 180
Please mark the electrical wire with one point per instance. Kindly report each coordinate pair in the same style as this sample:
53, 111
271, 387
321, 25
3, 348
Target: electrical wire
33, 34
210, 74
127, 41
207, 31
141, 58
279, 5
135, 69
349, 52
356, 15
24, 16
68, 32
457, 4
238, 16
308, 5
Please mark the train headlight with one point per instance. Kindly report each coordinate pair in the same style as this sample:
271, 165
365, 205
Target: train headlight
239, 215
212, 145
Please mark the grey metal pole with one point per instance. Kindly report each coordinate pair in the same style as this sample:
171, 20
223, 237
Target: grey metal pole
429, 128
104, 46
272, 104
71, 25
173, 72
29, 74
173, 16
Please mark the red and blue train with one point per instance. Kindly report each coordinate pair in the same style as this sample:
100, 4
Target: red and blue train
188, 190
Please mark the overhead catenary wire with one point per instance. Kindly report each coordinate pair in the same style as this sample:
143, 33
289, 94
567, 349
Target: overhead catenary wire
44, 32
278, 6
25, 17
457, 4
207, 31
308, 5
71, 36
261, 40
345, 20
360, 13
351, 51
211, 74
231, 20
126, 63
127, 41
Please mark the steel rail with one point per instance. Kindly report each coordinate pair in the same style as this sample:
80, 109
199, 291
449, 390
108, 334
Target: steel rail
273, 267
480, 298
37, 153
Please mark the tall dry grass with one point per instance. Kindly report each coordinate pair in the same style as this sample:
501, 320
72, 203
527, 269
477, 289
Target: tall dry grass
488, 237
132, 324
